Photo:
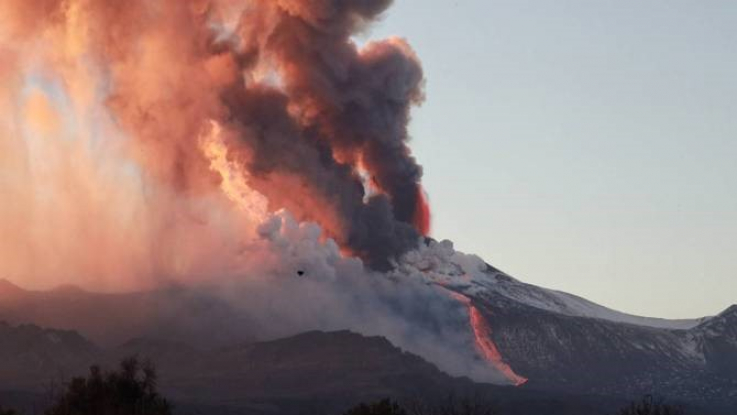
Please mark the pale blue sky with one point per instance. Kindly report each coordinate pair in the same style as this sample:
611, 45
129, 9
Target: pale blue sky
588, 146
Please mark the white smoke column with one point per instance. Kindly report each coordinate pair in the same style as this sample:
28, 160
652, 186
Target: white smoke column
337, 292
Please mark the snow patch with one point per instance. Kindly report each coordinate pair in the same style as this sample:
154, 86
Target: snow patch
439, 263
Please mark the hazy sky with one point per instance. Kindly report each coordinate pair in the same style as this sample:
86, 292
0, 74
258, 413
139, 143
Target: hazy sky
587, 146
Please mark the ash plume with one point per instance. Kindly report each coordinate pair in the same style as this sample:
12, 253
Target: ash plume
223, 145
306, 108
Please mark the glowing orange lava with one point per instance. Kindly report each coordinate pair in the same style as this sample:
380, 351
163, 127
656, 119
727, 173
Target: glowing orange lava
486, 346
422, 217
482, 333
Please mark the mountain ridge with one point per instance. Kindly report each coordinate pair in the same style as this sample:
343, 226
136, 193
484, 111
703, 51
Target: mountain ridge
562, 343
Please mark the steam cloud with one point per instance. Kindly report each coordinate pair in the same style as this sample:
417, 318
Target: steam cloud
190, 141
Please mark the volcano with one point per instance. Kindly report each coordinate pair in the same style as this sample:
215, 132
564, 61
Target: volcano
228, 187
565, 347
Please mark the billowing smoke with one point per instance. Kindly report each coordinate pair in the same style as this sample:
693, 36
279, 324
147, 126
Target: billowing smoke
226, 145
308, 110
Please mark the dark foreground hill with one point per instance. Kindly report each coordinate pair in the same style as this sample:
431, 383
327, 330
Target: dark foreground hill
579, 357
311, 373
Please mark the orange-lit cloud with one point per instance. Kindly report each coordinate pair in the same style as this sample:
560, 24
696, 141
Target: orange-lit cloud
105, 103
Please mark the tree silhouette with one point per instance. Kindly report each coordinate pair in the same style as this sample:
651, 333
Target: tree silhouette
650, 405
450, 406
383, 407
129, 391
453, 405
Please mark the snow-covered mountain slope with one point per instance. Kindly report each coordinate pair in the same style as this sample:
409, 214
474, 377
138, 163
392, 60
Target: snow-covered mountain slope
441, 264
718, 342
569, 304
560, 341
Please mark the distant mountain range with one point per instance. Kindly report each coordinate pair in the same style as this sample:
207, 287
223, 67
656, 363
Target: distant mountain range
175, 313
578, 357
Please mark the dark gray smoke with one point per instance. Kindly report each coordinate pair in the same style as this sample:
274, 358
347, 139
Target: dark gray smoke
336, 108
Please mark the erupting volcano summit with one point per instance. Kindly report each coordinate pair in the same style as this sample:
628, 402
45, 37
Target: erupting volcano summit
225, 140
